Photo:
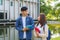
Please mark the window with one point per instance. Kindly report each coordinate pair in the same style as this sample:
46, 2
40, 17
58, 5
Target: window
11, 4
29, 6
1, 2
5, 15
21, 3
2, 15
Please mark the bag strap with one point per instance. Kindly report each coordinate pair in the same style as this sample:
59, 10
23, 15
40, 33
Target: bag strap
43, 27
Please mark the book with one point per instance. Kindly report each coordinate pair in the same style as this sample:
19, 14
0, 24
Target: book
37, 29
28, 26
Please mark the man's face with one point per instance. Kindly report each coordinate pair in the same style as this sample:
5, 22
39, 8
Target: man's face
25, 12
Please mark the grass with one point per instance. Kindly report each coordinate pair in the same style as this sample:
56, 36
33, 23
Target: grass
58, 38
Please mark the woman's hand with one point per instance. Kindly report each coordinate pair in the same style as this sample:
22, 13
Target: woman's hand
37, 35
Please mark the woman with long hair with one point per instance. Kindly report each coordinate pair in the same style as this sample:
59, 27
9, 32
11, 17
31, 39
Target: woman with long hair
41, 28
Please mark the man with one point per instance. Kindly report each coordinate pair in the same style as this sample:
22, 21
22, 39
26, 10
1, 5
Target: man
21, 25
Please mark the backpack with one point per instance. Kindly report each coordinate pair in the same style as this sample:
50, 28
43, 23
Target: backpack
49, 35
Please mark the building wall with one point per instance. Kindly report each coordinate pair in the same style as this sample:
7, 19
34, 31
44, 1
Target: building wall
12, 8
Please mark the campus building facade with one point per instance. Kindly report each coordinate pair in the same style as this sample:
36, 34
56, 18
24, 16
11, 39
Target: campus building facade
10, 9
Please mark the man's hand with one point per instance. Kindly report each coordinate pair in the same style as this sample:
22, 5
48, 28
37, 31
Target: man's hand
25, 29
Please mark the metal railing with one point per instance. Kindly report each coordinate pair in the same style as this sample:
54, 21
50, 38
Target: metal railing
8, 31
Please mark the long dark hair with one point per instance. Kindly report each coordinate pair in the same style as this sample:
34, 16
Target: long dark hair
42, 19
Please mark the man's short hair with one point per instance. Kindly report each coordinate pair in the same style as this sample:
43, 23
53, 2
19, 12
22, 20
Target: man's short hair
24, 8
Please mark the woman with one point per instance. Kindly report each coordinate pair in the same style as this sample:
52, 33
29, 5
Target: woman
41, 28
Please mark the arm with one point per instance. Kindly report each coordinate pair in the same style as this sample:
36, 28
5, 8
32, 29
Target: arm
32, 24
45, 34
34, 33
18, 26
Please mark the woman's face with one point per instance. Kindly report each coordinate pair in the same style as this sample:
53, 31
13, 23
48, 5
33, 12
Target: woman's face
39, 18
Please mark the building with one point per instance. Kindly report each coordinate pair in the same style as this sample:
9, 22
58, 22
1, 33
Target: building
10, 10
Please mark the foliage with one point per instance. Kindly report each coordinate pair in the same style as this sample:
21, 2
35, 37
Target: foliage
51, 13
54, 27
58, 38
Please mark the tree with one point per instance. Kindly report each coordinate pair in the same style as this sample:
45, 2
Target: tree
57, 11
49, 11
